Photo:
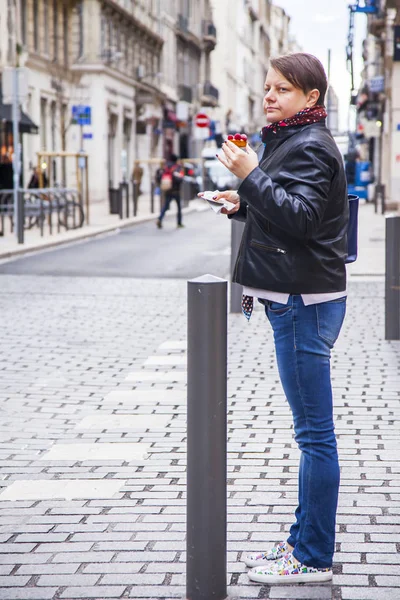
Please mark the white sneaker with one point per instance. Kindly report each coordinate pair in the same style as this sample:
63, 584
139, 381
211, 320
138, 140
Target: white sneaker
288, 570
261, 558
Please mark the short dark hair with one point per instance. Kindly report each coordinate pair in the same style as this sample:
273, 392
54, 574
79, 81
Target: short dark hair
304, 71
174, 158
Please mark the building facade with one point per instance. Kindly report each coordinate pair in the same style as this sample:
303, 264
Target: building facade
250, 32
378, 100
145, 69
131, 61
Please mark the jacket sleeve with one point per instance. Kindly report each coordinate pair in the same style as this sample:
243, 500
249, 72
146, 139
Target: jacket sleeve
241, 214
298, 207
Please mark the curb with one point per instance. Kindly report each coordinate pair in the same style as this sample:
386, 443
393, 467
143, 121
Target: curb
84, 235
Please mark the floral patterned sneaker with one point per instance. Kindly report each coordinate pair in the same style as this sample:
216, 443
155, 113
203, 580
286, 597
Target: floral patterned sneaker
288, 570
262, 558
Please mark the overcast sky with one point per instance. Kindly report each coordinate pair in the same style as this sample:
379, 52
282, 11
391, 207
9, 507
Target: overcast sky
322, 24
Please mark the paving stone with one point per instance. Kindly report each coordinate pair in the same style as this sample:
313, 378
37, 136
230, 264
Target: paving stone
76, 580
27, 593
305, 592
157, 592
371, 593
82, 557
83, 394
124, 422
13, 580
99, 591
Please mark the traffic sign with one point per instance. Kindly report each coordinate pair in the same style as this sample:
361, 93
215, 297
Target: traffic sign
81, 115
201, 120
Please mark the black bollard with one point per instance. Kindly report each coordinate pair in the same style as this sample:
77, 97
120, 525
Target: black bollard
206, 439
21, 217
135, 197
236, 289
392, 278
152, 187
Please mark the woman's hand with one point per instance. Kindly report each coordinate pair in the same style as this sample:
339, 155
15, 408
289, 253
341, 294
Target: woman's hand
238, 162
231, 196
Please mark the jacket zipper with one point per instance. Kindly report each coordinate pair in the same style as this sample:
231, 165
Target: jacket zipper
269, 248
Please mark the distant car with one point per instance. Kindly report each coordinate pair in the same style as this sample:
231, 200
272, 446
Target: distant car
218, 177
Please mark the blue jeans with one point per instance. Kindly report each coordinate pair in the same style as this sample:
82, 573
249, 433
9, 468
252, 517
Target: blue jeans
304, 337
168, 197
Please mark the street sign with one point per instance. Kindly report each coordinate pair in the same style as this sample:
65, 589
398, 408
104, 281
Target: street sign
87, 136
7, 84
82, 115
377, 84
201, 120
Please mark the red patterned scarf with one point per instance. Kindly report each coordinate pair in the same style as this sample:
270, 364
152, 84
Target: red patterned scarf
304, 117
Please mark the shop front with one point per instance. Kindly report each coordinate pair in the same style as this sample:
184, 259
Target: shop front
26, 125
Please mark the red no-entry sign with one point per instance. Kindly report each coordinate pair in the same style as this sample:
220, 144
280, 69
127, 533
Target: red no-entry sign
202, 120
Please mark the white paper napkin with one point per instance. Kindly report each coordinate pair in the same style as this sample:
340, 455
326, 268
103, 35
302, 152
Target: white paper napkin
217, 205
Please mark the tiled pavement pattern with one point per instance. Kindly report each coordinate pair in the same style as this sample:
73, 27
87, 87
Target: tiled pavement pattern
109, 522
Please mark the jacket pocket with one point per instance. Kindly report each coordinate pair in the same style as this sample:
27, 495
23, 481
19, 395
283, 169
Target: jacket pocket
267, 248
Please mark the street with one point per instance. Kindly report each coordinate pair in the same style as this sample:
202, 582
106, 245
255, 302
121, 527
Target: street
93, 432
202, 246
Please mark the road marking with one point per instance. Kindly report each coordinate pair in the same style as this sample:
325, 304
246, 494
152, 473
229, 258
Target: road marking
124, 422
174, 345
134, 397
165, 360
68, 489
77, 452
157, 376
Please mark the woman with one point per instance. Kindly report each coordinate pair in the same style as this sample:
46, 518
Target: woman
293, 198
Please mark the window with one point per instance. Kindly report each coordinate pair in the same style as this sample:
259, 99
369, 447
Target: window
46, 25
43, 123
23, 22
103, 36
55, 30
65, 32
35, 25
80, 29
53, 113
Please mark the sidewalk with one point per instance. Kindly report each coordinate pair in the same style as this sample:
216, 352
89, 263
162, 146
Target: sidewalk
101, 222
93, 440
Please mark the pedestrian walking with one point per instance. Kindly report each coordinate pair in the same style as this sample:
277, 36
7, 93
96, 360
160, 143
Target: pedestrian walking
170, 180
293, 198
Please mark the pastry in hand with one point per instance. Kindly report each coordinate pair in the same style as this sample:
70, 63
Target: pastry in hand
239, 139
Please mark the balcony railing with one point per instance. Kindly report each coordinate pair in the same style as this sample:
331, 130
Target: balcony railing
185, 93
183, 23
209, 33
210, 90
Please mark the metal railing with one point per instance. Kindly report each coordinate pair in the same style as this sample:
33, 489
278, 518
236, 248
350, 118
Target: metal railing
43, 208
210, 90
209, 30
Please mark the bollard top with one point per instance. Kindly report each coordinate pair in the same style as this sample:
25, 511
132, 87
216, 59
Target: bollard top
207, 279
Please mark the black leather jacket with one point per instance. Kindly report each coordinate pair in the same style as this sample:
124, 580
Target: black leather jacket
296, 211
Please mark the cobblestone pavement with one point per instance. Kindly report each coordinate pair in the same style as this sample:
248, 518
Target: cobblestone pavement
92, 455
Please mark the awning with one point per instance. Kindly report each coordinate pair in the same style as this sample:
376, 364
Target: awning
26, 125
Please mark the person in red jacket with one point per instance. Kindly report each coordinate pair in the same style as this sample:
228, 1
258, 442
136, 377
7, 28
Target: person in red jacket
170, 180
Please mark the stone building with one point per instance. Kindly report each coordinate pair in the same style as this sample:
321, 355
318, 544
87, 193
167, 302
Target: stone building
378, 99
249, 33
133, 62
